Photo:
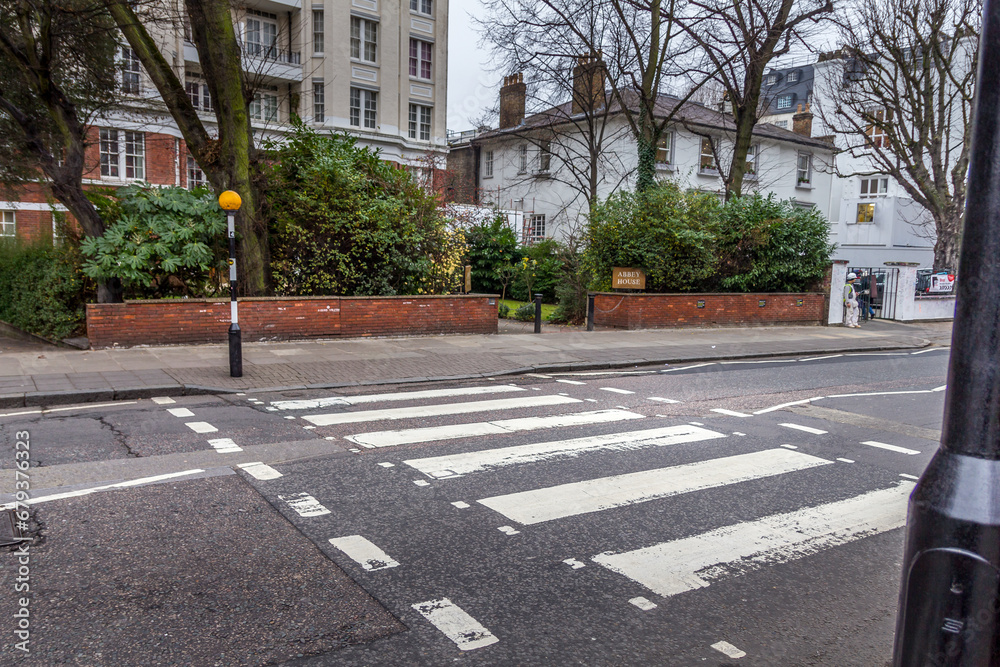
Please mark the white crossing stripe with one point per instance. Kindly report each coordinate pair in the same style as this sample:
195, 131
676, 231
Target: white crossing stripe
438, 409
663, 400
225, 445
616, 390
846, 460
260, 470
731, 413
891, 448
571, 382
643, 603
455, 624
304, 504
461, 504
364, 553
201, 427
728, 650
694, 562
421, 482
312, 404
163, 400
434, 433
806, 429
557, 502
180, 412
455, 465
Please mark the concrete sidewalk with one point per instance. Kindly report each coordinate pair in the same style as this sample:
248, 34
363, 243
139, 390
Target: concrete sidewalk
50, 375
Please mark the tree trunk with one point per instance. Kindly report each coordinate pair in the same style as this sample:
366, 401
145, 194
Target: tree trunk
948, 244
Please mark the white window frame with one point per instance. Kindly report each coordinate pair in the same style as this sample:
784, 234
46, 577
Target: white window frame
783, 124
873, 188
783, 101
869, 207
706, 152
753, 162
418, 50
195, 176
8, 224
665, 148
264, 106
544, 157
123, 154
876, 134
197, 92
319, 101
793, 77
364, 108
261, 46
803, 172
110, 152
318, 31
425, 7
420, 118
770, 79
487, 164
522, 159
131, 71
534, 229
364, 40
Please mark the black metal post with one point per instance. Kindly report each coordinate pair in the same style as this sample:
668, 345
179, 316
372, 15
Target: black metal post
590, 312
538, 313
949, 604
235, 336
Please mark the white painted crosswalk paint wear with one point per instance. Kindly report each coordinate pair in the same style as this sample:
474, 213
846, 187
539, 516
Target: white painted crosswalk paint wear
304, 504
565, 500
333, 401
466, 463
456, 624
694, 562
438, 409
364, 553
496, 427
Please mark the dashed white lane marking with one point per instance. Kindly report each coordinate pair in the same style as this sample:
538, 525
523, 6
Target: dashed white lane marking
696, 423
509, 530
594, 495
225, 445
786, 405
455, 465
105, 487
663, 400
728, 650
312, 404
461, 504
846, 460
456, 624
591, 400
571, 382
828, 356
354, 451
180, 412
539, 375
289, 417
905, 476
386, 464
304, 504
574, 563
438, 409
670, 568
891, 448
260, 470
615, 390
201, 427
731, 413
643, 603
45, 411
270, 409
421, 482
760, 361
500, 426
789, 446
364, 553
686, 368
941, 388
329, 437
805, 429
931, 349
163, 400
309, 428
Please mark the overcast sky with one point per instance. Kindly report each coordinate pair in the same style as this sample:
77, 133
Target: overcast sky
472, 87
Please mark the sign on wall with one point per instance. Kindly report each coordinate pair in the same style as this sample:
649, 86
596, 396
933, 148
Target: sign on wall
628, 278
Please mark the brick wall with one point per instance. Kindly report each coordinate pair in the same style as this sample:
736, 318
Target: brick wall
653, 311
207, 321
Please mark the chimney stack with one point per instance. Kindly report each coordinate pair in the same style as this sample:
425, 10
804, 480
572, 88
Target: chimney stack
802, 121
588, 84
512, 101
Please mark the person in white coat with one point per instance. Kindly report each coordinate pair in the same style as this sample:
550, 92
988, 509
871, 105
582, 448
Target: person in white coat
851, 311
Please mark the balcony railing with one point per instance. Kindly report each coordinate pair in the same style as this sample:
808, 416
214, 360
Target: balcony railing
269, 52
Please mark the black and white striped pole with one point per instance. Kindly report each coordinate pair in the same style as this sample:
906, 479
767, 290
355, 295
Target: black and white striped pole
230, 201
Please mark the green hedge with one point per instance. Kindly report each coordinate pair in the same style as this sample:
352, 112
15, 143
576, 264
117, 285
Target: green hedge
41, 288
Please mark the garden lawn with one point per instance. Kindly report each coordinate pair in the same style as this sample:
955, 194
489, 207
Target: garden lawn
547, 308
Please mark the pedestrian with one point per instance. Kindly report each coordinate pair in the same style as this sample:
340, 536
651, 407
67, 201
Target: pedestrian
851, 303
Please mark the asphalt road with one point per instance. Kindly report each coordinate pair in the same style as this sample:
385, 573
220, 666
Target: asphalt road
743, 513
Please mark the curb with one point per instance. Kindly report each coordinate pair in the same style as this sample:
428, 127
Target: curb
40, 398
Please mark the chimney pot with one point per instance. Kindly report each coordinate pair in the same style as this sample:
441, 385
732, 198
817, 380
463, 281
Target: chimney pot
512, 96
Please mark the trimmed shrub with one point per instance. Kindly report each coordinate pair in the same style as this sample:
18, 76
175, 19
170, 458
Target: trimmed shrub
525, 312
41, 288
503, 311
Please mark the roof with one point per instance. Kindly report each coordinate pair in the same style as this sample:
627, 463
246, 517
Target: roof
690, 114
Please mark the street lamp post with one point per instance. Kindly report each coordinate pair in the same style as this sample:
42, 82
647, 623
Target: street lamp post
949, 604
230, 201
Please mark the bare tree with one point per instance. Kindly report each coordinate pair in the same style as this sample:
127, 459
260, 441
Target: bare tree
58, 71
900, 98
737, 41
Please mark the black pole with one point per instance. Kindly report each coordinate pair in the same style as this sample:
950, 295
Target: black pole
538, 313
235, 336
950, 596
590, 312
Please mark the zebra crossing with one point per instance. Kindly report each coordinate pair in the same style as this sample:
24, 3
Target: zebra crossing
510, 478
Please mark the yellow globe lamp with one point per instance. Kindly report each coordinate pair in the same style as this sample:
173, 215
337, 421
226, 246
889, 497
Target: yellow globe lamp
230, 201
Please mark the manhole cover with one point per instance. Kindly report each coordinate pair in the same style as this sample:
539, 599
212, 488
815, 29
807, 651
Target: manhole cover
9, 532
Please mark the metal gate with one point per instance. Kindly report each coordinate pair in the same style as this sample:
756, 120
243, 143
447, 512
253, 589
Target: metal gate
876, 288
